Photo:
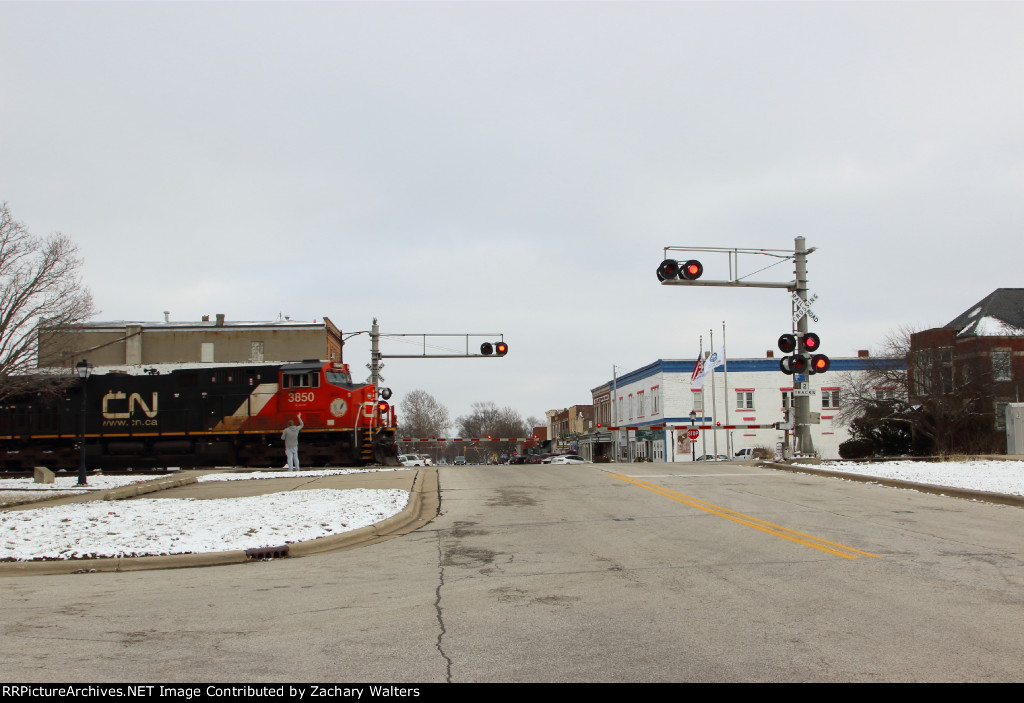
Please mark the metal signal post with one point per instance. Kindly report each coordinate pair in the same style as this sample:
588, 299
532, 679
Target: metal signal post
689, 272
488, 349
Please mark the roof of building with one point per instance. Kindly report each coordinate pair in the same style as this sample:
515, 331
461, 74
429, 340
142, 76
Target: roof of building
759, 365
206, 323
999, 314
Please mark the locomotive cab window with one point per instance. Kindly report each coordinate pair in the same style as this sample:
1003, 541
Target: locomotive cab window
301, 380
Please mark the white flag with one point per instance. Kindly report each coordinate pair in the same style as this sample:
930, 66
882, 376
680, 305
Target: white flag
716, 359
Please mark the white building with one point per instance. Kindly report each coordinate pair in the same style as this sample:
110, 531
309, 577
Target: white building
748, 394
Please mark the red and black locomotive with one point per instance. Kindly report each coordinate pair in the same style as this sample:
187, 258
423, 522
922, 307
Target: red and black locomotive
198, 416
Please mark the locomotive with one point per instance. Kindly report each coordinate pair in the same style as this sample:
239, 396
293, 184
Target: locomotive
227, 415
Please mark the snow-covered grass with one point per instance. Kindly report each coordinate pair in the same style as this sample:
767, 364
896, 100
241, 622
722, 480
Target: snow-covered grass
980, 475
157, 526
252, 475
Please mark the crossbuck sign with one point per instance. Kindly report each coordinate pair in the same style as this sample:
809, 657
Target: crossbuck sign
803, 308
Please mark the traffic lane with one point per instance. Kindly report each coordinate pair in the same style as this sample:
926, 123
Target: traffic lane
602, 580
365, 614
561, 574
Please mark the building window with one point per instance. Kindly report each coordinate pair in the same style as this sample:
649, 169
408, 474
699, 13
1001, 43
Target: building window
698, 401
655, 400
885, 394
1002, 369
744, 400
641, 404
787, 400
256, 352
1001, 416
830, 399
206, 352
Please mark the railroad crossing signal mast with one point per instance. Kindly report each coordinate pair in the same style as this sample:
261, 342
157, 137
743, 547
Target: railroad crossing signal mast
488, 349
672, 272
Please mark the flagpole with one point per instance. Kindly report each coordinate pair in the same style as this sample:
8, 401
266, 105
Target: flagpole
703, 412
725, 392
714, 403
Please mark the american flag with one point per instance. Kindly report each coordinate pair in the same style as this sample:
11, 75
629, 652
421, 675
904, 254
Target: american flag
698, 371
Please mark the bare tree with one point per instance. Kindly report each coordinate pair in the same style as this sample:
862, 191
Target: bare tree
885, 380
936, 403
40, 288
488, 420
423, 416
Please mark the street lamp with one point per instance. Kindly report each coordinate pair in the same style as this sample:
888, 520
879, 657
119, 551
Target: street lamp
83, 368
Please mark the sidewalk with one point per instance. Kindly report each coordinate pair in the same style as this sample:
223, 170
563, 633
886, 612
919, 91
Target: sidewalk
422, 508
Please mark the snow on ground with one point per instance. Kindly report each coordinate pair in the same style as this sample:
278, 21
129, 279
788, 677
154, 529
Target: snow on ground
187, 525
177, 526
146, 527
1005, 477
246, 476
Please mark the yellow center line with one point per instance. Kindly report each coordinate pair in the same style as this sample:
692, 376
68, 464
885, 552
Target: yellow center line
758, 524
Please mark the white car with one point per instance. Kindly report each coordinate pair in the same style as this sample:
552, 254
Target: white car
412, 460
565, 459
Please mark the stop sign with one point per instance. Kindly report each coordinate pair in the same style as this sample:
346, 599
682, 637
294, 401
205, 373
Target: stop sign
693, 434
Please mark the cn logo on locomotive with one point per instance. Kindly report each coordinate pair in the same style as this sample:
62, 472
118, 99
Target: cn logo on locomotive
134, 400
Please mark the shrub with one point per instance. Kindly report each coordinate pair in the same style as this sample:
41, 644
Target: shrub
856, 448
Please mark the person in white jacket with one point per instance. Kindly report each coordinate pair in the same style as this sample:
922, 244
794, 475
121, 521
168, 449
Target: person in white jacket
291, 443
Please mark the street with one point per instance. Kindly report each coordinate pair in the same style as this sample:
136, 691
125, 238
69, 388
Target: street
612, 572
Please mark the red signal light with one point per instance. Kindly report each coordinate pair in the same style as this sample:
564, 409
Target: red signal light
692, 270
669, 269
501, 349
809, 342
820, 363
798, 363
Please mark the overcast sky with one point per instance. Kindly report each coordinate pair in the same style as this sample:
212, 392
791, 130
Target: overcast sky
518, 167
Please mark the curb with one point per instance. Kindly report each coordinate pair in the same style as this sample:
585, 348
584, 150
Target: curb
964, 493
422, 508
145, 487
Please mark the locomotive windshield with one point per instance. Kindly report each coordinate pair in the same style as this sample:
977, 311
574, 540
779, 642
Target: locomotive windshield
338, 378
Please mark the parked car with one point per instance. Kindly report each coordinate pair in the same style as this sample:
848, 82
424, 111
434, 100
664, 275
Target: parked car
427, 461
745, 453
460, 461
567, 459
537, 458
712, 457
412, 460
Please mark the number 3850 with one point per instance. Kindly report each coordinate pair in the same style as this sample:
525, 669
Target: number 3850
306, 397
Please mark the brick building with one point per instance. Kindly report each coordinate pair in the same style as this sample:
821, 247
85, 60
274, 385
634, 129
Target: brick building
976, 359
205, 341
